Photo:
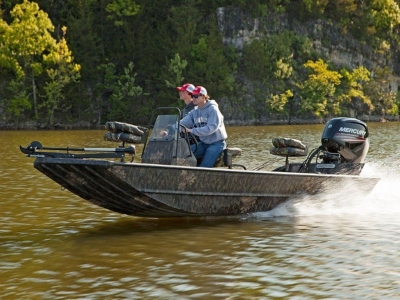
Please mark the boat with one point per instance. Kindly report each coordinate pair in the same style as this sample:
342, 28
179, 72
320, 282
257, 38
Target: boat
167, 182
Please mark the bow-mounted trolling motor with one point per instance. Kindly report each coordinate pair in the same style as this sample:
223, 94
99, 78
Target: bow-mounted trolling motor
344, 146
35, 149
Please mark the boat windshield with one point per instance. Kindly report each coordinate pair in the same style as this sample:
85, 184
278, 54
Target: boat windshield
165, 124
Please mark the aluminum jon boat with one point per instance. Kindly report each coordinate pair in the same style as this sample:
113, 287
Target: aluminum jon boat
167, 182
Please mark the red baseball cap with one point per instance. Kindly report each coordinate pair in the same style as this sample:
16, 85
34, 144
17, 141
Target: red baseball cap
186, 87
199, 90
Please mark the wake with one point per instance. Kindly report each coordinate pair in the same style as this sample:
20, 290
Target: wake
346, 200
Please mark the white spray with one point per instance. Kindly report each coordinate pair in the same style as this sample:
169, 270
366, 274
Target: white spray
346, 200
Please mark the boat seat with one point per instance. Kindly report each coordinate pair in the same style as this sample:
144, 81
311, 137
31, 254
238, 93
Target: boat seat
125, 133
288, 147
124, 137
225, 159
288, 151
235, 152
125, 127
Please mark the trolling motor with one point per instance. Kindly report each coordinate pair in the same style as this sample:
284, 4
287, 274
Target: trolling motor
35, 149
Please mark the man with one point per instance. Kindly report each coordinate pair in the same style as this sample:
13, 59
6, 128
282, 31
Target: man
185, 94
206, 122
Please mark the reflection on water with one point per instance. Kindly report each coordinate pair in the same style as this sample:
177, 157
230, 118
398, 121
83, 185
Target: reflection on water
54, 245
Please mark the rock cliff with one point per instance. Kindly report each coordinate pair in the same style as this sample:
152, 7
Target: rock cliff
238, 28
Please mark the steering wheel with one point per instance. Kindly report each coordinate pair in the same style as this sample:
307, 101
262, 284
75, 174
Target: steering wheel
187, 136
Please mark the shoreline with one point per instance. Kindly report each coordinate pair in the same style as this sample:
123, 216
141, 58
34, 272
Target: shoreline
89, 126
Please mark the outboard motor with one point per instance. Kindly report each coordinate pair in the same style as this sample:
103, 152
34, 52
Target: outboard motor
347, 137
344, 146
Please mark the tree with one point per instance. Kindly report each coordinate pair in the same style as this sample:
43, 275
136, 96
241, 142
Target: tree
63, 72
352, 90
385, 14
208, 64
315, 7
84, 39
373, 21
123, 97
119, 10
175, 70
318, 90
19, 101
24, 42
121, 93
271, 57
184, 27
278, 102
379, 90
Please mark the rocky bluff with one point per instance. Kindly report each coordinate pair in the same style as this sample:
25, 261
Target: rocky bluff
238, 28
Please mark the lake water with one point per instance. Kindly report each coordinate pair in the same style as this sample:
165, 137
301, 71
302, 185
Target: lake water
54, 245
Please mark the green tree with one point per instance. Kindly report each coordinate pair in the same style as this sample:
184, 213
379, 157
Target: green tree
122, 93
271, 57
385, 14
318, 91
86, 21
208, 65
379, 90
175, 68
184, 27
119, 10
63, 71
25, 41
315, 7
351, 90
19, 100
255, 61
278, 102
374, 21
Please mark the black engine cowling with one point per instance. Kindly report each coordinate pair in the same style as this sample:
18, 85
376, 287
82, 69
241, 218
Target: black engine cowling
348, 137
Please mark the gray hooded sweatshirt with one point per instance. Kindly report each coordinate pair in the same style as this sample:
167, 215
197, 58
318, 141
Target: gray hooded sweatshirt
207, 123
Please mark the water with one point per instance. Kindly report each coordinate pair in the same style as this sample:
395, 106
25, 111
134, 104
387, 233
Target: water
54, 245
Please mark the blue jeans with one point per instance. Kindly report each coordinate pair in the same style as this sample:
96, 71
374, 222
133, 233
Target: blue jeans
209, 152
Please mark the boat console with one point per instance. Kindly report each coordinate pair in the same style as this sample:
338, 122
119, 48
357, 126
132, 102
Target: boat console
169, 146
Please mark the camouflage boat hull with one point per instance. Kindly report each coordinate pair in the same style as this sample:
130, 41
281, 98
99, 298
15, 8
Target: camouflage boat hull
154, 190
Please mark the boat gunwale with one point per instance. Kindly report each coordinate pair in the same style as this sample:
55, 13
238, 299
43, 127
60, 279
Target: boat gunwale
108, 163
